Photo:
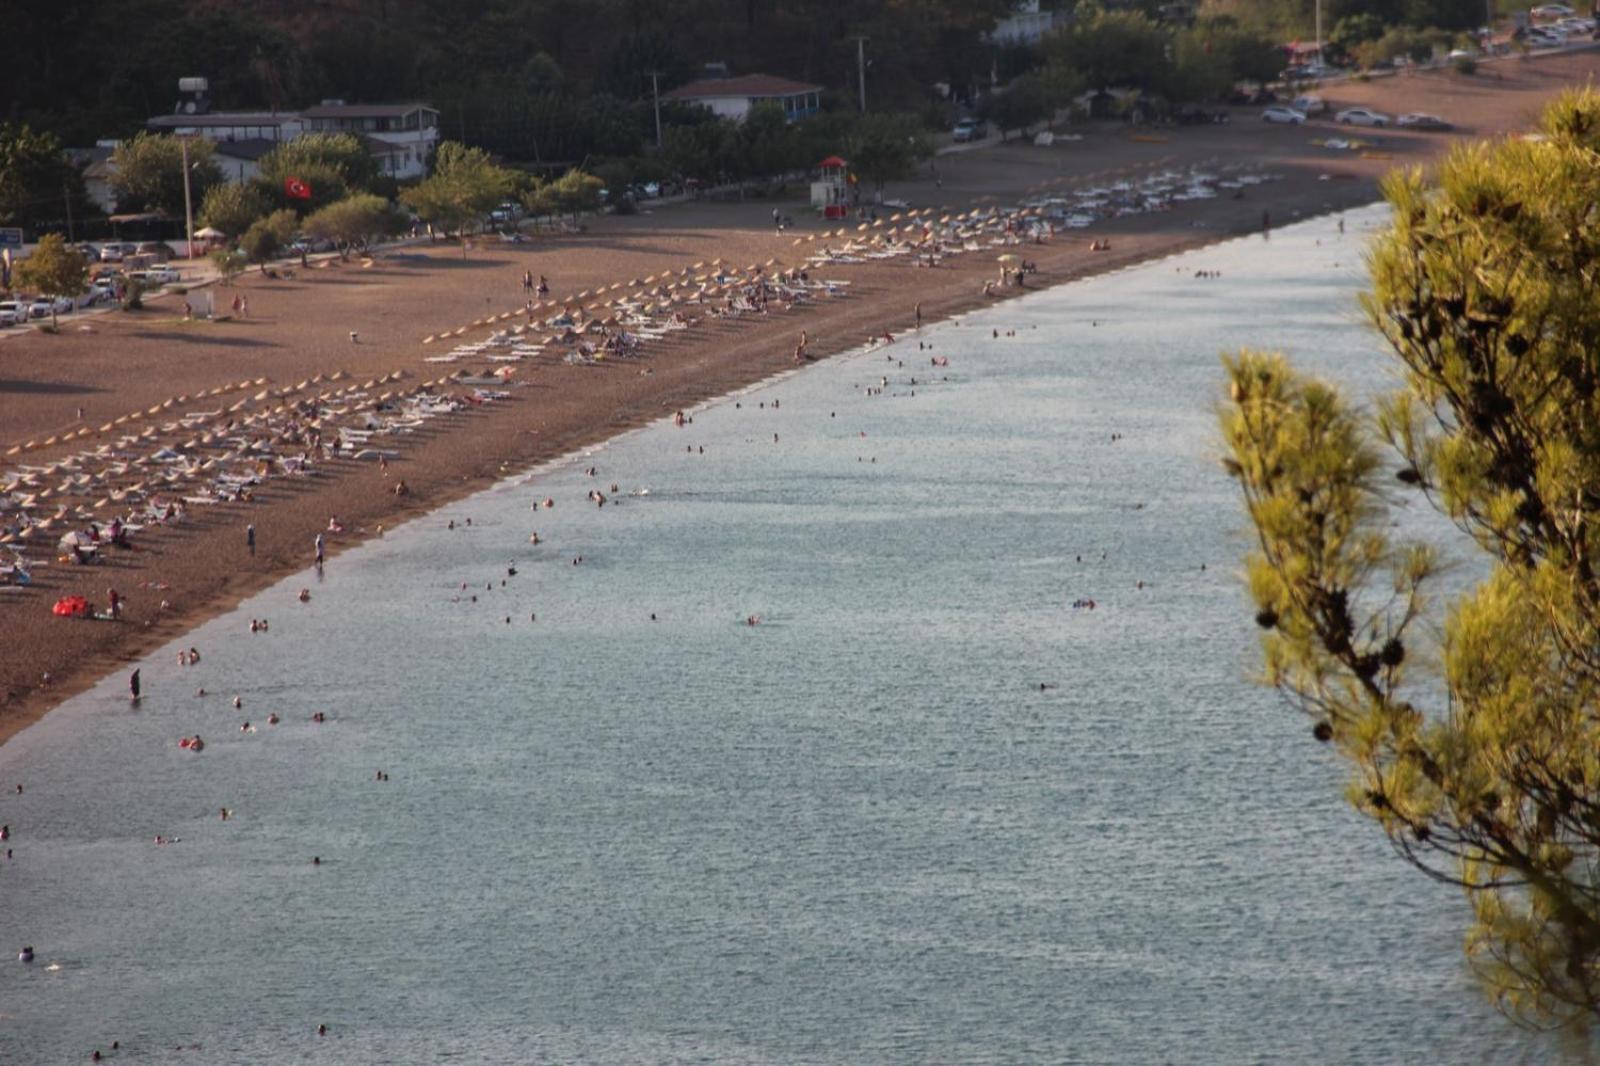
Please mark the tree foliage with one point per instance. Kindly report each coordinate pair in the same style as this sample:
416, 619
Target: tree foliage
1480, 759
269, 235
36, 179
883, 148
464, 187
354, 222
1024, 102
332, 166
149, 173
1110, 49
228, 263
231, 207
54, 269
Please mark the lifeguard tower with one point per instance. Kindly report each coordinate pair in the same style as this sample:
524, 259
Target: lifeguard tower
830, 193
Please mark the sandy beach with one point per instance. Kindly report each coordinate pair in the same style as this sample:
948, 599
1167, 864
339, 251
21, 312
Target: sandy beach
300, 329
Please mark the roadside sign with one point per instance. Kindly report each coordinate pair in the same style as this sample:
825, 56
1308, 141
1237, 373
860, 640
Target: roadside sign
11, 237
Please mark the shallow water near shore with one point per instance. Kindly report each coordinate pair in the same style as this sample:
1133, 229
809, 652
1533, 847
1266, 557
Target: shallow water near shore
858, 831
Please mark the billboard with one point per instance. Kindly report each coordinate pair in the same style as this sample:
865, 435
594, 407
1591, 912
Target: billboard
11, 237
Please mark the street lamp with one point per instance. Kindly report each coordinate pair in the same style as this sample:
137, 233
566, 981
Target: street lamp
188, 203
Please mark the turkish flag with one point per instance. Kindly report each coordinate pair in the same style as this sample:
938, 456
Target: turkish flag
295, 189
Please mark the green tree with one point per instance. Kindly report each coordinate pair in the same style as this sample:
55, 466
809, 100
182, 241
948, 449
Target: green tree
1110, 49
36, 180
268, 236
54, 269
353, 222
148, 173
1019, 105
231, 207
884, 148
574, 192
464, 187
228, 263
1479, 758
331, 165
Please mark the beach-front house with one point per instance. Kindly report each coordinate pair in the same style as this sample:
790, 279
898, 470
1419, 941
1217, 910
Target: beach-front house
400, 137
733, 97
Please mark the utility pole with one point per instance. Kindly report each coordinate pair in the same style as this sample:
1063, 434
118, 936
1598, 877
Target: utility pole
188, 204
861, 70
66, 196
655, 92
1319, 32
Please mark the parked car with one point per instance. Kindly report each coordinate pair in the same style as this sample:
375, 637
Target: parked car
102, 292
155, 276
1191, 115
44, 306
1417, 120
11, 313
115, 251
1551, 11
1309, 105
1283, 114
969, 129
160, 251
1361, 116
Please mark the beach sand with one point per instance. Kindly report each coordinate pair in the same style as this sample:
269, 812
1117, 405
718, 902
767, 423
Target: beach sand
300, 327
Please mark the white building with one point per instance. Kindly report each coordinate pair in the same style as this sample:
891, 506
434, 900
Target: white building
1025, 25
220, 126
734, 97
401, 137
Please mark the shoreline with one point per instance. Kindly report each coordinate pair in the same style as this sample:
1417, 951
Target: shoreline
122, 363
135, 644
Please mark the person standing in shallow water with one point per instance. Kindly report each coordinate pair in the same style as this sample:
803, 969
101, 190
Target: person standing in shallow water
320, 545
133, 685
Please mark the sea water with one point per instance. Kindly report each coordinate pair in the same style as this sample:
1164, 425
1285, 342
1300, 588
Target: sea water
629, 826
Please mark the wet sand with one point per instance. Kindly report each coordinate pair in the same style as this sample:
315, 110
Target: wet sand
300, 327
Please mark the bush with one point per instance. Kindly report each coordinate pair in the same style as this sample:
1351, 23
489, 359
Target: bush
1466, 65
133, 300
624, 205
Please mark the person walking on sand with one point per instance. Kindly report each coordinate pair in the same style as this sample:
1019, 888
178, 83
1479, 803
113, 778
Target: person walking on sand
244, 306
321, 544
918, 311
250, 538
133, 686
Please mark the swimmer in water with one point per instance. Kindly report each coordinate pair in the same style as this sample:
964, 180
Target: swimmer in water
237, 702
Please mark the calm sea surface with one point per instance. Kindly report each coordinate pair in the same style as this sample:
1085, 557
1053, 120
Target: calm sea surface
855, 832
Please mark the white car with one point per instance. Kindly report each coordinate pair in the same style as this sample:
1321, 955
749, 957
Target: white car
115, 251
157, 276
1309, 105
1361, 116
1551, 11
43, 306
1283, 114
